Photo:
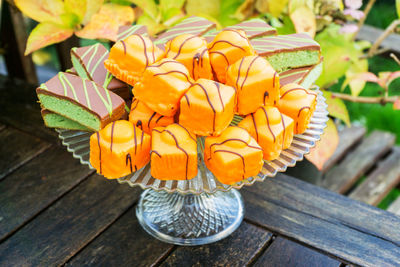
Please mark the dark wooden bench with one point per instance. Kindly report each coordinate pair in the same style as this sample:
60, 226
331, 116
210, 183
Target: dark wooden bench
55, 211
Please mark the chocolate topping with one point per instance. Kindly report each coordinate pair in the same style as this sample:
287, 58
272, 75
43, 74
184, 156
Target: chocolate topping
270, 45
126, 31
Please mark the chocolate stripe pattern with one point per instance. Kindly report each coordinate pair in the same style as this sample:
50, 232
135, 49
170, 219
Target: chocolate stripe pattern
269, 45
193, 25
84, 92
126, 31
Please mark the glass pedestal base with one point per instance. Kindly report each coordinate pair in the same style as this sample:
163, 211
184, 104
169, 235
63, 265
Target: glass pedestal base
190, 219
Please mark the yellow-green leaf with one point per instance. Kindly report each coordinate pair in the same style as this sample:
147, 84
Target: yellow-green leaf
325, 148
77, 7
171, 8
274, 7
149, 7
337, 108
44, 34
304, 20
105, 23
199, 7
152, 26
92, 7
352, 77
398, 7
245, 10
42, 10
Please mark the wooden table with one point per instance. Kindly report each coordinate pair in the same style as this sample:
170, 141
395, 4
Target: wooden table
55, 211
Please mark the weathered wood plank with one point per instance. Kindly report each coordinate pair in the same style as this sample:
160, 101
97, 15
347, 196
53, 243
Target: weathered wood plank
331, 223
395, 207
370, 33
19, 108
16, 149
13, 39
68, 225
348, 137
125, 243
379, 183
2, 127
36, 185
235, 250
341, 177
284, 252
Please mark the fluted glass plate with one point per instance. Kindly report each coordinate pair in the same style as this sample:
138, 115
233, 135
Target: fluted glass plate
78, 144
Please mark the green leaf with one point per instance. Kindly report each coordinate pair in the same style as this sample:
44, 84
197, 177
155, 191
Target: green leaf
274, 7
304, 20
42, 10
92, 7
70, 20
149, 7
356, 84
337, 51
398, 7
76, 7
325, 148
227, 10
287, 26
170, 8
44, 34
152, 26
337, 108
203, 7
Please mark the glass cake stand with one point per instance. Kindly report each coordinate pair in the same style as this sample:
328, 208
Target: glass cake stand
200, 210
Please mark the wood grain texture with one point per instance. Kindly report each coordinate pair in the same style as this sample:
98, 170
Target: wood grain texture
348, 137
19, 108
71, 223
125, 243
236, 250
16, 149
2, 127
343, 176
395, 207
370, 33
36, 185
379, 183
331, 223
284, 252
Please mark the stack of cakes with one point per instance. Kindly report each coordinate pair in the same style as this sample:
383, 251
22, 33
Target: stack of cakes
186, 91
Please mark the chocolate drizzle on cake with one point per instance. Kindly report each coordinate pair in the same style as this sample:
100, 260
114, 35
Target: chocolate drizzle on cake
112, 135
124, 45
295, 89
174, 71
128, 158
255, 126
269, 125
98, 143
151, 117
209, 102
181, 149
284, 131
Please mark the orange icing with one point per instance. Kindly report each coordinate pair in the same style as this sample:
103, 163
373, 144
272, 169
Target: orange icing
174, 153
257, 83
233, 156
119, 149
162, 86
129, 57
191, 51
207, 107
267, 127
299, 104
145, 118
228, 47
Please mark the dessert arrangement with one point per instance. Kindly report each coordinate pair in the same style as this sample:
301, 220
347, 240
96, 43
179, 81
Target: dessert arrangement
233, 99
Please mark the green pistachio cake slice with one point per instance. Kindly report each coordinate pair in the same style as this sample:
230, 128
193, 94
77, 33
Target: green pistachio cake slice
288, 51
54, 120
80, 100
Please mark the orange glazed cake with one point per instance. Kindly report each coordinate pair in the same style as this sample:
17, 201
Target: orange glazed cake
192, 52
228, 47
207, 107
299, 104
162, 86
145, 118
174, 153
233, 156
129, 57
256, 82
119, 149
272, 131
